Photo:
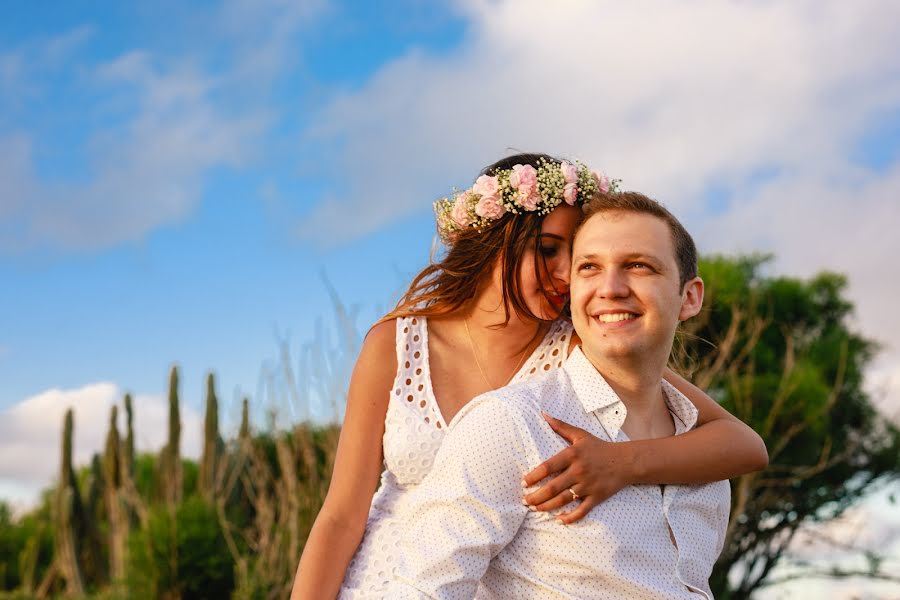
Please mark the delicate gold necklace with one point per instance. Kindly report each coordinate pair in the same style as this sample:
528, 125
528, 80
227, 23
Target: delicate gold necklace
478, 362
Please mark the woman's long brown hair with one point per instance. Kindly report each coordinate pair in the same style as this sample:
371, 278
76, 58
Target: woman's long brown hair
444, 286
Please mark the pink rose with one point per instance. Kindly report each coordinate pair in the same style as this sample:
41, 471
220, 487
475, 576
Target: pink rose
489, 207
528, 198
570, 173
523, 176
570, 193
601, 180
460, 212
486, 186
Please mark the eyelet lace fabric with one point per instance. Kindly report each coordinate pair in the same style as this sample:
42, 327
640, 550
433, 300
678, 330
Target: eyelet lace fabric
413, 431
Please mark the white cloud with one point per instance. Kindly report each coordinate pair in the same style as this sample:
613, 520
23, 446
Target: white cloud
263, 33
149, 174
31, 433
59, 48
25, 70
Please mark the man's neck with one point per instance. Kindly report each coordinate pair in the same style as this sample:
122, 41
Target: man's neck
638, 383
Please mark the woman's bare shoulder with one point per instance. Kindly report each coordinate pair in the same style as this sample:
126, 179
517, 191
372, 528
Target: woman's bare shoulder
383, 333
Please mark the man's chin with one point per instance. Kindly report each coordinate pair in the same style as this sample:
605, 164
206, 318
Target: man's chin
609, 351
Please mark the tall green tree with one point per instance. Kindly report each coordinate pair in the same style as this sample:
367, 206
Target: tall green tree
780, 354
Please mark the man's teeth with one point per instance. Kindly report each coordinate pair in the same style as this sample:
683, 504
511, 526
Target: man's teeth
615, 317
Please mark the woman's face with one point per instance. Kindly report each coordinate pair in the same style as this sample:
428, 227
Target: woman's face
545, 291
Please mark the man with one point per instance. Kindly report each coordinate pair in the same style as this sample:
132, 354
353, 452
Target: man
634, 278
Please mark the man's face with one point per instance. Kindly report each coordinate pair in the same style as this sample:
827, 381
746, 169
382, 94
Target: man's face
626, 298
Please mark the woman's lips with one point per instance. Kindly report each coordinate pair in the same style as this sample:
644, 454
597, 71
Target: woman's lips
557, 299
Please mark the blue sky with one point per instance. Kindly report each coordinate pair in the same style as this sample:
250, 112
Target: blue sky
208, 287
177, 178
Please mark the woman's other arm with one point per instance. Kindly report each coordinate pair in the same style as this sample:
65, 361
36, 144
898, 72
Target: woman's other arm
341, 522
721, 447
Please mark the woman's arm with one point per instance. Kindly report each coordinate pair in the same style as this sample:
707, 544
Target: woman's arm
721, 447
341, 522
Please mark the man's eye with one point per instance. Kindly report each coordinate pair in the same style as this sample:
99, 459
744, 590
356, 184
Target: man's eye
585, 267
639, 265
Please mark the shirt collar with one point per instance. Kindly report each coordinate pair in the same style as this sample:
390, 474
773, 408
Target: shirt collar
596, 396
590, 387
684, 411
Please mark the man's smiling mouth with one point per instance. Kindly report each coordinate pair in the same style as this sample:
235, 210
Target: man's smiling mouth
615, 317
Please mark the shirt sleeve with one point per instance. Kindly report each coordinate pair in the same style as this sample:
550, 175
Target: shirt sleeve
469, 506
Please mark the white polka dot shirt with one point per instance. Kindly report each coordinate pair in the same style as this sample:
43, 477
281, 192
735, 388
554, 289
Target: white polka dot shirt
468, 531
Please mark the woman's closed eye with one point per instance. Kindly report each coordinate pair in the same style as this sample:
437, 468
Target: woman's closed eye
549, 251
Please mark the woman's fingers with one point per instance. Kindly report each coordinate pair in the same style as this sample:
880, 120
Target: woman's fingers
555, 464
578, 513
570, 433
550, 490
557, 501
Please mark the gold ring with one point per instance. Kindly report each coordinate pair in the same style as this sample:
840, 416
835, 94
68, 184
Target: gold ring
575, 497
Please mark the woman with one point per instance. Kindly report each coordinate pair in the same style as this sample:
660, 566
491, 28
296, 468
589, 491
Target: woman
489, 313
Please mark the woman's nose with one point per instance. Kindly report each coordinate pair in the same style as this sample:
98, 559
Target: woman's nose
562, 268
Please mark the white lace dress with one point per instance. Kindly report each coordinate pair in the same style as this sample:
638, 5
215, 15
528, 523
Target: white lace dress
414, 429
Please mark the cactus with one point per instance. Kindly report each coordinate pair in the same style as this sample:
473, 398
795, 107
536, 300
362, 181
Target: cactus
28, 559
245, 421
212, 443
90, 540
171, 456
68, 510
127, 462
113, 463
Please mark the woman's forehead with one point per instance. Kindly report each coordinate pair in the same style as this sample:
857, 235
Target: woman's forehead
561, 222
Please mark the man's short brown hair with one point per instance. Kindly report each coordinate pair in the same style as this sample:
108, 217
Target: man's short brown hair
685, 249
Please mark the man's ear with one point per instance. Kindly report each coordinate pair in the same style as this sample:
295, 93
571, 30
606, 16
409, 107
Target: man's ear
692, 299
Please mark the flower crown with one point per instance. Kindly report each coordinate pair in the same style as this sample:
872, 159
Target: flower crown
523, 188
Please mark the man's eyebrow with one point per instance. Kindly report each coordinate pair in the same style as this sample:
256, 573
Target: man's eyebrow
645, 257
628, 257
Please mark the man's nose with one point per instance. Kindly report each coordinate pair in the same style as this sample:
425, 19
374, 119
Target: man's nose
612, 283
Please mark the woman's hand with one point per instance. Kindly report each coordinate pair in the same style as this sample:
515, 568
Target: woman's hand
589, 467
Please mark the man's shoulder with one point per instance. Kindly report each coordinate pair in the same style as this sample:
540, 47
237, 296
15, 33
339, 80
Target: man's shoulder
530, 392
523, 399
